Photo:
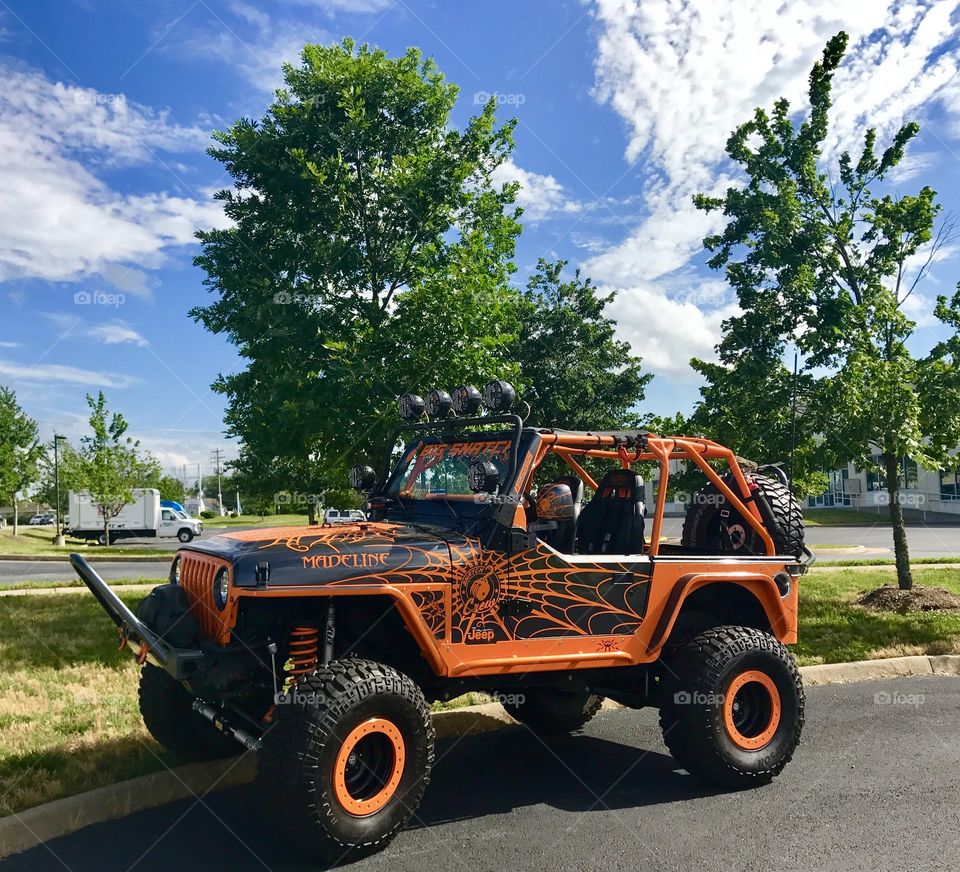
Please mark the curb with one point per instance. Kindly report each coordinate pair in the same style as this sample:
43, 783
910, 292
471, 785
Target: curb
93, 558
27, 829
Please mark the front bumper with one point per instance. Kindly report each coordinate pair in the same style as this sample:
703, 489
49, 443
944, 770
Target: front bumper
180, 663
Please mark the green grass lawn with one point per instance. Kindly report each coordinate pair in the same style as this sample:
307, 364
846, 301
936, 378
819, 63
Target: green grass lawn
38, 541
256, 521
69, 720
862, 517
834, 630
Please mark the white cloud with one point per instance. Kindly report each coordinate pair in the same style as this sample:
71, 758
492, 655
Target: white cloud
683, 76
540, 196
914, 163
59, 221
58, 373
667, 332
5, 344
116, 333
257, 48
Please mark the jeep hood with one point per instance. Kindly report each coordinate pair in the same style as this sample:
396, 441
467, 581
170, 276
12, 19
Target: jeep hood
360, 553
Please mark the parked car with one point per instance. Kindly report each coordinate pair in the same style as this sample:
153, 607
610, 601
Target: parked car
43, 519
343, 516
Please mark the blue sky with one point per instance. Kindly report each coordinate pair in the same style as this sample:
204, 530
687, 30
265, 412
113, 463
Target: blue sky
623, 111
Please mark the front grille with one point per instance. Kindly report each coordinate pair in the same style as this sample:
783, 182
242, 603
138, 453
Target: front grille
197, 572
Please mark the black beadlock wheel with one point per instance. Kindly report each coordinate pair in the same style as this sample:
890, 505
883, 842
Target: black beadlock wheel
344, 764
732, 709
711, 525
548, 710
167, 710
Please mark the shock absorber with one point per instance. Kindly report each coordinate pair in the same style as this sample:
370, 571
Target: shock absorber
304, 651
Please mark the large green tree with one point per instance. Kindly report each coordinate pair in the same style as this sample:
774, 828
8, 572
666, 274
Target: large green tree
20, 452
110, 464
822, 256
578, 375
368, 253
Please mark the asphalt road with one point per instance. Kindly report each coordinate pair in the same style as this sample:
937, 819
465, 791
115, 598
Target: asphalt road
932, 541
15, 571
873, 786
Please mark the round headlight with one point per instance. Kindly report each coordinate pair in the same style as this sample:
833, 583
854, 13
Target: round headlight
362, 478
439, 404
484, 477
466, 400
221, 589
175, 570
412, 407
498, 396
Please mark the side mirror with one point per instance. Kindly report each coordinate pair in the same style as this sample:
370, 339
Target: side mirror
555, 503
362, 478
484, 477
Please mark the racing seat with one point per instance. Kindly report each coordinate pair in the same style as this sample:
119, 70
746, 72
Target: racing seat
612, 522
565, 534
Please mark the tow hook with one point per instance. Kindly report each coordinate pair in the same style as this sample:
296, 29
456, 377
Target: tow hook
219, 720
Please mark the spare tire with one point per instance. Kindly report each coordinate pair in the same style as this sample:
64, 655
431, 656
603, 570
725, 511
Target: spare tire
711, 525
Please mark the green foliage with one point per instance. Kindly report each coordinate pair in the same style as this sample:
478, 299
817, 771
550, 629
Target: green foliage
369, 254
170, 487
20, 451
581, 376
109, 463
821, 260
46, 490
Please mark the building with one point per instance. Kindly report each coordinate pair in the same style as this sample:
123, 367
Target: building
928, 490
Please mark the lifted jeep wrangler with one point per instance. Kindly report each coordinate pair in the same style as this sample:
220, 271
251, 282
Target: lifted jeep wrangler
320, 647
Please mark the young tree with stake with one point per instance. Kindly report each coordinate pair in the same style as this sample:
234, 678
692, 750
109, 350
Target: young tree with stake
819, 257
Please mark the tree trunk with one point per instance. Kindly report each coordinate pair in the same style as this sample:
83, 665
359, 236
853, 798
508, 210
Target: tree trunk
312, 512
900, 549
106, 530
16, 515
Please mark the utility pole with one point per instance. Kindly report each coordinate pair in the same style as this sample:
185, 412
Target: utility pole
59, 540
216, 460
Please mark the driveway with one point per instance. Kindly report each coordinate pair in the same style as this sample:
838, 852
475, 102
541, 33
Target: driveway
873, 786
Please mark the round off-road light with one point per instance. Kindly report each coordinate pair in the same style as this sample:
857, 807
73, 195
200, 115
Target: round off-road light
221, 589
484, 477
439, 404
175, 570
466, 400
412, 407
362, 478
498, 396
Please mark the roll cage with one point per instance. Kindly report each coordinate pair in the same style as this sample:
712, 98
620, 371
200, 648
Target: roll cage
621, 446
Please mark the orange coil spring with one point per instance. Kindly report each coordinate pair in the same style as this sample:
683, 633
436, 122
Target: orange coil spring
304, 643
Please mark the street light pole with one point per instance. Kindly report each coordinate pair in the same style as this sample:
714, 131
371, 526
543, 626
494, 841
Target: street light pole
59, 540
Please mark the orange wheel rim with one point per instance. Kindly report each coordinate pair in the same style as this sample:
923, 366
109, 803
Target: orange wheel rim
751, 710
368, 768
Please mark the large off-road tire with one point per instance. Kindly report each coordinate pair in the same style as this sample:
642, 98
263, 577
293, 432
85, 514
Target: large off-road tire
733, 706
711, 525
549, 711
345, 762
167, 710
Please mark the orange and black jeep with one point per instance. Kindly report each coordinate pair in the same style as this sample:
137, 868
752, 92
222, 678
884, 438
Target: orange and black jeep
321, 647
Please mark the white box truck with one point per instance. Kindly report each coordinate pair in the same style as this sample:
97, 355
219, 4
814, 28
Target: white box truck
144, 518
